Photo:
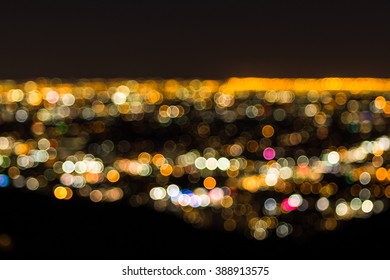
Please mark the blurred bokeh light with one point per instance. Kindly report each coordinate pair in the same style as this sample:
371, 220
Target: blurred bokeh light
258, 155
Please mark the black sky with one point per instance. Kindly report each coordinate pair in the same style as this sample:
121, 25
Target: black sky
189, 39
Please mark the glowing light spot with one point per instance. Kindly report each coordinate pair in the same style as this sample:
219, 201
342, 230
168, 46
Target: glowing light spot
5, 161
40, 156
194, 201
119, 98
333, 157
79, 182
144, 170
209, 183
19, 181
235, 150
113, 176
158, 160
271, 179
21, 149
32, 184
60, 192
13, 172
144, 158
92, 178
96, 196
204, 200
4, 143
283, 230
67, 179
153, 96
52, 97
223, 163
173, 111
17, 95
124, 89
184, 200
251, 183
279, 114
285, 173
21, 115
286, 206
322, 204
341, 209
95, 166
157, 193
384, 141
34, 98
227, 201
69, 193
173, 190
254, 111
114, 194
381, 174
378, 206
260, 234
216, 195
166, 169
80, 167
43, 144
270, 204
303, 161
211, 163
355, 204
364, 194
68, 166
268, 131
25, 161
311, 110
269, 153
44, 115
367, 206
200, 163
295, 200
4, 180
68, 99
261, 224
365, 178
380, 102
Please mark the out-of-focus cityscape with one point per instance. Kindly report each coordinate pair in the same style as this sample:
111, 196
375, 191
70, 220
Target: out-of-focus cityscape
258, 156
237, 129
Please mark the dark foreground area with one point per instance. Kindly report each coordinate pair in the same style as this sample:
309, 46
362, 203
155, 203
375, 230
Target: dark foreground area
40, 227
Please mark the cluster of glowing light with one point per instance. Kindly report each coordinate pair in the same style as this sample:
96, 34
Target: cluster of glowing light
246, 149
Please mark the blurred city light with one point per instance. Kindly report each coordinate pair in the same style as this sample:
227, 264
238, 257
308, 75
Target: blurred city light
258, 155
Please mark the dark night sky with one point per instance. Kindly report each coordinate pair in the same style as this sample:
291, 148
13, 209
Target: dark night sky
181, 39
188, 39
